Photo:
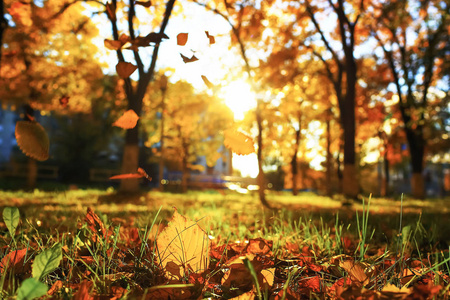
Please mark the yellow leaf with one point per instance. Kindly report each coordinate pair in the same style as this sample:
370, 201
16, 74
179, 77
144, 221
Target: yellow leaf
128, 120
238, 142
21, 12
207, 82
183, 248
182, 39
125, 69
32, 139
268, 276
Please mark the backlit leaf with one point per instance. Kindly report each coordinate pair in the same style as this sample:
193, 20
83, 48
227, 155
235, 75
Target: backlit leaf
113, 44
125, 69
111, 11
183, 247
187, 59
146, 4
182, 39
128, 120
21, 12
211, 38
47, 261
140, 173
238, 142
11, 217
32, 140
95, 224
207, 82
15, 261
30, 289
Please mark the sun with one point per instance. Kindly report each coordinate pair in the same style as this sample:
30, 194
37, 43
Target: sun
239, 97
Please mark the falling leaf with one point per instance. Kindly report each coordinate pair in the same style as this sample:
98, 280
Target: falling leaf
146, 4
187, 59
140, 173
182, 39
32, 140
183, 247
112, 44
64, 101
111, 11
238, 142
128, 120
211, 38
154, 37
207, 82
125, 69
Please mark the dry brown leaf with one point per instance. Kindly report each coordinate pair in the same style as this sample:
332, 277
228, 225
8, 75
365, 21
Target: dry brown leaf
183, 247
211, 38
128, 120
111, 11
83, 291
187, 59
32, 140
113, 44
182, 39
238, 142
146, 4
125, 69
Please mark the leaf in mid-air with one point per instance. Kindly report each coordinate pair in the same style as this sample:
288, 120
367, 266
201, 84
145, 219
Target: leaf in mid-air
125, 69
187, 59
211, 38
113, 44
11, 217
111, 11
146, 4
32, 139
207, 82
238, 142
47, 261
182, 39
128, 120
183, 248
140, 173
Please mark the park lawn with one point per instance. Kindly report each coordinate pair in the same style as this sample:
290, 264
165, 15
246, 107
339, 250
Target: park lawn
307, 247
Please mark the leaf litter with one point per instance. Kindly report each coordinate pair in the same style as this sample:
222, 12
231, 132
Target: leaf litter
181, 261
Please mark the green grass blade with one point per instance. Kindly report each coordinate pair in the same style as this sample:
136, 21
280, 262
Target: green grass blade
249, 266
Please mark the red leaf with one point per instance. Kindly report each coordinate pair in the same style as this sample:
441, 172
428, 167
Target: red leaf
15, 261
182, 39
140, 173
95, 224
83, 291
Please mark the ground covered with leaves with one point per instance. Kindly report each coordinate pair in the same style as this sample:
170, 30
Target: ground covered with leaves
219, 245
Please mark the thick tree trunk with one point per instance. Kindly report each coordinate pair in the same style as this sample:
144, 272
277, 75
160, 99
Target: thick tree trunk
32, 173
130, 161
294, 168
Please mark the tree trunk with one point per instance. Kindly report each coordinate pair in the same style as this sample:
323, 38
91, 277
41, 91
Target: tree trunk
329, 188
162, 154
261, 178
130, 161
32, 173
184, 169
294, 168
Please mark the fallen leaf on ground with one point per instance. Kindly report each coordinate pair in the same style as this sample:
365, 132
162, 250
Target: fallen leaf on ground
183, 247
15, 261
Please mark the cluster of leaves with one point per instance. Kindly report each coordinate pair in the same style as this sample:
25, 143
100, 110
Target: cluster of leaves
179, 261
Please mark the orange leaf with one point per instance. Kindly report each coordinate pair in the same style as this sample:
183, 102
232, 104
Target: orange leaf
238, 142
95, 224
55, 287
112, 44
187, 59
21, 12
32, 139
111, 11
128, 120
64, 101
211, 38
146, 4
15, 261
83, 291
125, 69
182, 39
140, 173
183, 248
207, 82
